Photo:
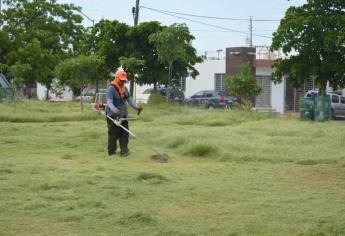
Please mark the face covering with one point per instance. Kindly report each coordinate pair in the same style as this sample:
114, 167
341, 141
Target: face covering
120, 85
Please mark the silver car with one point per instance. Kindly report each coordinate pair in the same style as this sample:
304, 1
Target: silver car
337, 103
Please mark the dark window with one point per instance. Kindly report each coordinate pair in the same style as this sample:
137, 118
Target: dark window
209, 94
198, 95
342, 100
183, 84
335, 99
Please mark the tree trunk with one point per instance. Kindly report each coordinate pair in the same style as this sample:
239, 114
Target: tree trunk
81, 99
323, 87
131, 85
169, 81
47, 94
96, 87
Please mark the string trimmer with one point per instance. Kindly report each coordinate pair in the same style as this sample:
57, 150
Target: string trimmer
100, 108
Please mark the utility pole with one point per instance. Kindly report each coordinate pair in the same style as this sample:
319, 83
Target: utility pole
135, 12
0, 14
251, 32
218, 51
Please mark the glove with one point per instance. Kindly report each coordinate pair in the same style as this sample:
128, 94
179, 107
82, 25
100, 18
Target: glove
139, 110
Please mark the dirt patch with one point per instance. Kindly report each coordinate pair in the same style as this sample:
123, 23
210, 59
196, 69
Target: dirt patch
163, 158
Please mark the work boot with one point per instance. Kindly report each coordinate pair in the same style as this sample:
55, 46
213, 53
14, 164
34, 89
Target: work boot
112, 154
125, 154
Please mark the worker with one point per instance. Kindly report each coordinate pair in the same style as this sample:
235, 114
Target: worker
117, 96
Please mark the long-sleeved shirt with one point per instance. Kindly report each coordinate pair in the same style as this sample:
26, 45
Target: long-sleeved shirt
115, 101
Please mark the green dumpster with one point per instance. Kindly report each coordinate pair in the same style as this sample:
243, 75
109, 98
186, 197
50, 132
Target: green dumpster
322, 110
307, 109
6, 94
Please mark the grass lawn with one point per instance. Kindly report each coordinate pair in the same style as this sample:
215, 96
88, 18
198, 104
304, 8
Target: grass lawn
228, 173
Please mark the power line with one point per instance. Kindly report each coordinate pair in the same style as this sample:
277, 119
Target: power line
203, 23
208, 17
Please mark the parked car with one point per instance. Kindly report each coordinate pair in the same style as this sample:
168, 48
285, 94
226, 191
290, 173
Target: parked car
175, 95
337, 103
89, 95
211, 99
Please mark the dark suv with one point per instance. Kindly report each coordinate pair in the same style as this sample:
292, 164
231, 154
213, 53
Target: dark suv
211, 99
175, 95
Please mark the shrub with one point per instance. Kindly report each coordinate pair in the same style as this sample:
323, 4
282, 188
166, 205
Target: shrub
156, 98
201, 150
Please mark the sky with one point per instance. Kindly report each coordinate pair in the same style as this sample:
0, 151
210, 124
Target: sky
208, 39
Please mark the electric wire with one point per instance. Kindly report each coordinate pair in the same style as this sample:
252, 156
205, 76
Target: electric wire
203, 23
211, 17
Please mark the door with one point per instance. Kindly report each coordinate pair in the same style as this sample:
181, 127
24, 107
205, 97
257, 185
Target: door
342, 101
264, 98
336, 105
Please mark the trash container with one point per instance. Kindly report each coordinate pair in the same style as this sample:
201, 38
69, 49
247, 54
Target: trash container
307, 109
322, 110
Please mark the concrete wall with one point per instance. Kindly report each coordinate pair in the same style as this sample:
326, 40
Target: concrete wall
277, 90
205, 79
236, 56
42, 91
263, 71
278, 96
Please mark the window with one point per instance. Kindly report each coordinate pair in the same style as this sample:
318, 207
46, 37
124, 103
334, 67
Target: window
208, 94
342, 100
219, 81
335, 99
183, 84
199, 94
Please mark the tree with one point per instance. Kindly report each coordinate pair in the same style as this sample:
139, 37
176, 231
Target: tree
243, 86
152, 71
173, 44
133, 67
77, 72
108, 40
312, 37
39, 33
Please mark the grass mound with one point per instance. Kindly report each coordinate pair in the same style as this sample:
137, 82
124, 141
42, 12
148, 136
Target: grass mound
137, 218
6, 171
176, 143
151, 177
202, 150
29, 111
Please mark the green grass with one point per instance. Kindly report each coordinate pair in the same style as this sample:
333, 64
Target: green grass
226, 173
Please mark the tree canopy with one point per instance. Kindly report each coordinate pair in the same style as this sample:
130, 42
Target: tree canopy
312, 37
38, 33
108, 39
173, 45
152, 71
78, 71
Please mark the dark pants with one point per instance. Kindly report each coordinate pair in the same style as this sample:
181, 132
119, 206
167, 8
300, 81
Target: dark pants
117, 133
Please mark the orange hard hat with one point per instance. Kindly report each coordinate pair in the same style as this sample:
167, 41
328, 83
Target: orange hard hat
121, 75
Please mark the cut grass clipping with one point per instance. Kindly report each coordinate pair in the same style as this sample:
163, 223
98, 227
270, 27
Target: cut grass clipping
202, 150
151, 178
